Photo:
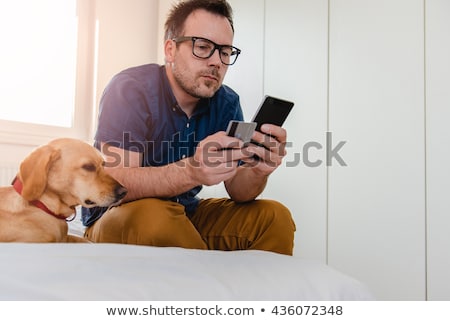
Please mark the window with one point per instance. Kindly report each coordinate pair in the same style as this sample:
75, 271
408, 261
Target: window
42, 51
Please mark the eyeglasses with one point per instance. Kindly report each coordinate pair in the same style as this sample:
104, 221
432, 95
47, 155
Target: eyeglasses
205, 48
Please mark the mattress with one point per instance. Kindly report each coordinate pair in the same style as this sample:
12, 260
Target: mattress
115, 272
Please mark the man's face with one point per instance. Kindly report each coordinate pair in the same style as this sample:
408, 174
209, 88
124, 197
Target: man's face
198, 77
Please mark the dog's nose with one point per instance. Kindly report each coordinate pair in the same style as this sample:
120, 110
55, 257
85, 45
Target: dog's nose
120, 192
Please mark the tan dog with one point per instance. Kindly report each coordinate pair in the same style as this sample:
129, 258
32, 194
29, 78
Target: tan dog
51, 182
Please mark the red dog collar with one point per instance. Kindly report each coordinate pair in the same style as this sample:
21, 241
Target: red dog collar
18, 186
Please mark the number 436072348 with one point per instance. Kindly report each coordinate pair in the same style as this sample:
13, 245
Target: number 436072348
307, 310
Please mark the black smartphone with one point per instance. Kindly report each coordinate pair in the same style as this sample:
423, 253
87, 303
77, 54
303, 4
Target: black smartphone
272, 111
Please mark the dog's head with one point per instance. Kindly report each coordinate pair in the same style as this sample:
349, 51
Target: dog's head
68, 172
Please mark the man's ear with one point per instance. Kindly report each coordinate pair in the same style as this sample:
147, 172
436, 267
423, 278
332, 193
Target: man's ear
34, 169
170, 47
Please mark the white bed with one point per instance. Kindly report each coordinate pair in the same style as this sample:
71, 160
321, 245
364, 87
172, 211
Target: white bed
124, 272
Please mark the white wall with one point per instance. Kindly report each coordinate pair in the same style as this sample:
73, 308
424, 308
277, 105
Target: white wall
438, 147
375, 74
295, 68
377, 105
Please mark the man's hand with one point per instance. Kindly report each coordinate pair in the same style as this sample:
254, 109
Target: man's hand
216, 159
270, 149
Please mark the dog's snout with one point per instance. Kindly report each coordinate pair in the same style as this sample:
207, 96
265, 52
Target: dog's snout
120, 192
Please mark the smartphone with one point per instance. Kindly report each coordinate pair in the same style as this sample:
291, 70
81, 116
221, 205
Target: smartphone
272, 111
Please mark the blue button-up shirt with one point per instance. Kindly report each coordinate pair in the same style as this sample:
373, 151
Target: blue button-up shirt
138, 112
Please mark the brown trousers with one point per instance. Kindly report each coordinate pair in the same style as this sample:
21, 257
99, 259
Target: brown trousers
217, 224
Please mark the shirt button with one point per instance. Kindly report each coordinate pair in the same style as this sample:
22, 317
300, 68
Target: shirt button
183, 156
187, 125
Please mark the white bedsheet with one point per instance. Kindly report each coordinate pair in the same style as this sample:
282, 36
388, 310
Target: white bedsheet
126, 272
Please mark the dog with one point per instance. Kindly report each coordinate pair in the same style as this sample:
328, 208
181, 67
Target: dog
51, 182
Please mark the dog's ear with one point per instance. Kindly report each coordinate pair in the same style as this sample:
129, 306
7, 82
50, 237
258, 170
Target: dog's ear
34, 170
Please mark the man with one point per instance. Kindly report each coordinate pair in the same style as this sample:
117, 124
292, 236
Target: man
162, 131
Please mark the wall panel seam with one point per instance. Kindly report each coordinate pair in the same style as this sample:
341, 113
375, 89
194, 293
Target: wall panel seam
425, 142
264, 47
328, 129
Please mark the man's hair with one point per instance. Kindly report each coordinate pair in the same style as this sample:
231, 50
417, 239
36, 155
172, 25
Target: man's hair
177, 16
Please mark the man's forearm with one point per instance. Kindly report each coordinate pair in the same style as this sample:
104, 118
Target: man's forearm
164, 181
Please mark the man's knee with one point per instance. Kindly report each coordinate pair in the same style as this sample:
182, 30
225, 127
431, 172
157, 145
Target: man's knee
127, 223
150, 221
276, 213
278, 227
149, 215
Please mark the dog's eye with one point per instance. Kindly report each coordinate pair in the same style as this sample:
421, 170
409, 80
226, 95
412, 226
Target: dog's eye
89, 167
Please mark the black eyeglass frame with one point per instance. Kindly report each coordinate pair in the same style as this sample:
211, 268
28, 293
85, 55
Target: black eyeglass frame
235, 51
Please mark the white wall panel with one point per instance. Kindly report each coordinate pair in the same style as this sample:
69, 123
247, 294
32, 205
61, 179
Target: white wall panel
438, 147
377, 202
126, 34
295, 68
246, 75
